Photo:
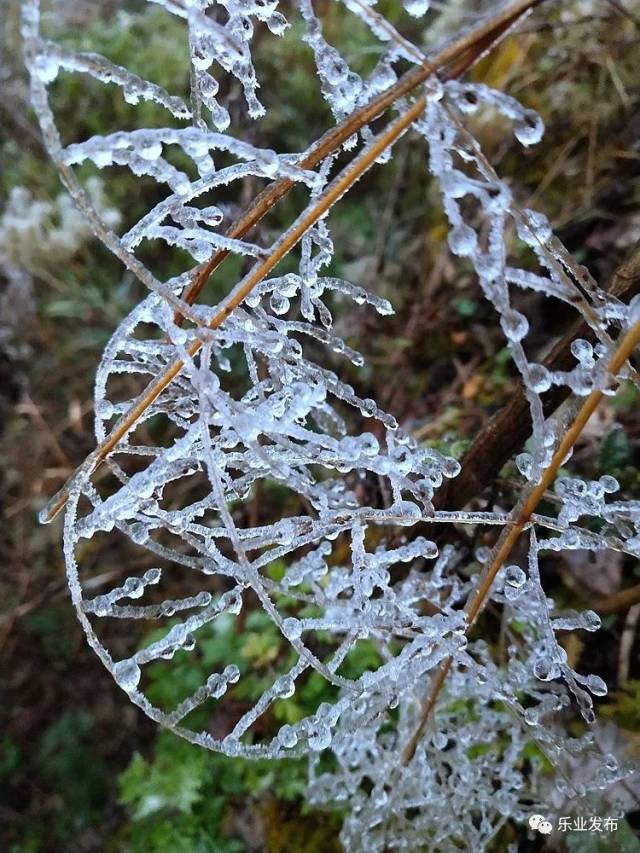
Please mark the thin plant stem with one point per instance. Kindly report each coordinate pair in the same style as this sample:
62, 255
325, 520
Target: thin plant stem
624, 349
338, 187
452, 61
461, 53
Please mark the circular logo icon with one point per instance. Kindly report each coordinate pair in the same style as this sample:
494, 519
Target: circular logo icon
535, 820
539, 823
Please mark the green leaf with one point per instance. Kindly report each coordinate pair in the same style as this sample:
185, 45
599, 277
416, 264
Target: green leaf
173, 780
9, 757
623, 706
464, 306
616, 451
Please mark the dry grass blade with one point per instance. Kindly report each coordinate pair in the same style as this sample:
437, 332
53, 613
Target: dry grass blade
506, 543
455, 59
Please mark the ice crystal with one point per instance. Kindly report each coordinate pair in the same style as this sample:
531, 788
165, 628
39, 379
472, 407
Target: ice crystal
339, 567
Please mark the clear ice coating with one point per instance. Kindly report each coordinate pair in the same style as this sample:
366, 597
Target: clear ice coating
333, 570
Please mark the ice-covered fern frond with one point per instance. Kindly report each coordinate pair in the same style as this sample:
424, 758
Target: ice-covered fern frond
243, 473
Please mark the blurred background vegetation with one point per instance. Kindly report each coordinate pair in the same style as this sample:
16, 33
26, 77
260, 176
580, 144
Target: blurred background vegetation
80, 768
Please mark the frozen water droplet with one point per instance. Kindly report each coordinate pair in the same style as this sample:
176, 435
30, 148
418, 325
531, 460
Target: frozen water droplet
231, 673
439, 740
287, 737
451, 467
483, 554
514, 582
514, 576
462, 240
101, 605
609, 484
539, 378
596, 685
279, 303
127, 674
231, 602
583, 351
133, 587
284, 687
368, 407
591, 621
514, 325
529, 129
189, 643
544, 669
139, 533
416, 8
216, 685
611, 762
320, 739
152, 576
524, 463
212, 216
292, 628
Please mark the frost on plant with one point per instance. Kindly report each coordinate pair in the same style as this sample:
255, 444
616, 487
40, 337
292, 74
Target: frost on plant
251, 416
34, 233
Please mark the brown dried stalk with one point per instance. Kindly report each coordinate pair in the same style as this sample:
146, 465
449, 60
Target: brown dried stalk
506, 432
335, 190
511, 534
623, 600
452, 60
